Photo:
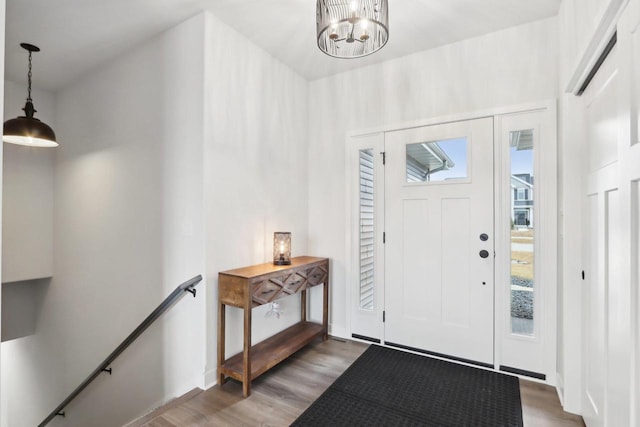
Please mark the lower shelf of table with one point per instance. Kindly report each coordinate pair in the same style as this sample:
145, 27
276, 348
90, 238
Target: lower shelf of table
268, 353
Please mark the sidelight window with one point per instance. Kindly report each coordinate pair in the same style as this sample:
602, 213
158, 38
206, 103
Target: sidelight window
367, 231
522, 232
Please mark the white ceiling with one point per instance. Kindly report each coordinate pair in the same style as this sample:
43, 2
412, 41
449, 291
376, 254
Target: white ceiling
78, 35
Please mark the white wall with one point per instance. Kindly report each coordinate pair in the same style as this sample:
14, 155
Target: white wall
127, 229
21, 302
27, 254
255, 171
146, 187
512, 66
27, 194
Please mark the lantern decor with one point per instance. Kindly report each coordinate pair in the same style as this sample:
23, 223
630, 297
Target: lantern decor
282, 248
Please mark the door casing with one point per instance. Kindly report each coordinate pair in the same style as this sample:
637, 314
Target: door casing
548, 251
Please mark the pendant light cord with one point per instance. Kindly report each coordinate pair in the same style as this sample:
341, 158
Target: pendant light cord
29, 77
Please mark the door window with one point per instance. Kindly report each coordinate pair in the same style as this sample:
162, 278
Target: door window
437, 160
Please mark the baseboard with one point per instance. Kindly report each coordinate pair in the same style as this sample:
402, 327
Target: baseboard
210, 378
338, 331
560, 388
162, 409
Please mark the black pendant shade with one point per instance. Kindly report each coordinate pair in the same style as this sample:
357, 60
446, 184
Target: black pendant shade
27, 130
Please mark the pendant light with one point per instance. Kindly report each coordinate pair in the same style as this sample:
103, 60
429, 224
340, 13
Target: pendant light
27, 130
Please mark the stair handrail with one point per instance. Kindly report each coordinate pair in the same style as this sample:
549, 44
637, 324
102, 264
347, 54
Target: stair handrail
178, 293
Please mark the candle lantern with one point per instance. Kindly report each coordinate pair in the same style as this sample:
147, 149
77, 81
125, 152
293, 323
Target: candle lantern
281, 248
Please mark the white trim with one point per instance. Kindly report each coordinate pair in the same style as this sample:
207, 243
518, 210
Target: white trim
353, 145
525, 183
607, 26
338, 331
550, 191
560, 391
500, 198
629, 155
348, 232
545, 249
477, 114
210, 378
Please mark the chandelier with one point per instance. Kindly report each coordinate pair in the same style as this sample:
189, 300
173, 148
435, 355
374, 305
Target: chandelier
351, 28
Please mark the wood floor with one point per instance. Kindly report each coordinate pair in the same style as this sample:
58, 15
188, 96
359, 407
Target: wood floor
279, 396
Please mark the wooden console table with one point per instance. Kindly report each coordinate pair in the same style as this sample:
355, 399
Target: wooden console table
261, 284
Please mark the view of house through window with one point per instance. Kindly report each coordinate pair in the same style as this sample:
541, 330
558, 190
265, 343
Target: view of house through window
522, 232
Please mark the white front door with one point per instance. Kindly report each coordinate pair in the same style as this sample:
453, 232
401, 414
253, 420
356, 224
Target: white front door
439, 250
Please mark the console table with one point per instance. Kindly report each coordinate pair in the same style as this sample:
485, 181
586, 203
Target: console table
256, 285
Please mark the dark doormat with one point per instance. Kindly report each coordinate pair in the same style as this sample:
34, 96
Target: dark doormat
387, 387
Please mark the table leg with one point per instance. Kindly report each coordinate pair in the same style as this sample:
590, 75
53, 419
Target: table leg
303, 306
246, 362
221, 343
325, 307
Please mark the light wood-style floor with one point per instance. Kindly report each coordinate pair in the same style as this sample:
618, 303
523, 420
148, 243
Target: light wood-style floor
279, 396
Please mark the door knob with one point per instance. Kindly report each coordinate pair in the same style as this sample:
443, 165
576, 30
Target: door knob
484, 254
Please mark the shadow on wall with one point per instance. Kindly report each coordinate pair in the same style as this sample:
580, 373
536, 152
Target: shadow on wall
21, 303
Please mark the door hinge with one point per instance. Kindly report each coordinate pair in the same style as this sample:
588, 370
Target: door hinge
384, 237
384, 157
582, 274
384, 316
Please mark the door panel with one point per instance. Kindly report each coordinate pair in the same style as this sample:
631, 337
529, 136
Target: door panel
617, 308
593, 342
605, 300
416, 262
438, 201
456, 274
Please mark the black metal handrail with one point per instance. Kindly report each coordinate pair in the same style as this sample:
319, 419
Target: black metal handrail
178, 293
